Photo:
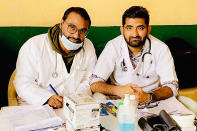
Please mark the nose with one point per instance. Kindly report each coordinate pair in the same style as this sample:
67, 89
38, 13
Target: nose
76, 34
135, 32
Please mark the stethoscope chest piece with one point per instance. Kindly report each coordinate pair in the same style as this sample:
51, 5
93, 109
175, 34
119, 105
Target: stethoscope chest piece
54, 74
123, 66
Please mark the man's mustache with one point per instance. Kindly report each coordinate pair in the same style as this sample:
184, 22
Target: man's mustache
78, 40
136, 37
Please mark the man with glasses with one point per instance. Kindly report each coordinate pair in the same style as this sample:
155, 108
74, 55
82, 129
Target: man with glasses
62, 59
137, 62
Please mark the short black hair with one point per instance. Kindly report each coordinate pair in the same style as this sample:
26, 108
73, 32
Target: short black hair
80, 11
136, 12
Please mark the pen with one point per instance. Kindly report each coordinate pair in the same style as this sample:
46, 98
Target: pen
53, 89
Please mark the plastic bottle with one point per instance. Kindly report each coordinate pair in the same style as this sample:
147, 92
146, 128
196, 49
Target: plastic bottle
127, 114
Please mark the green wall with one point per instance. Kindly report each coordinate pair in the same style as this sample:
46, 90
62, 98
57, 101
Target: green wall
14, 37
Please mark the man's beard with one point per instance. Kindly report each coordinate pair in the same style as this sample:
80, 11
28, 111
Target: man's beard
137, 43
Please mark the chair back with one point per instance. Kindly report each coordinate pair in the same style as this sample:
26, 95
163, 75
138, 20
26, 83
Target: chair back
12, 95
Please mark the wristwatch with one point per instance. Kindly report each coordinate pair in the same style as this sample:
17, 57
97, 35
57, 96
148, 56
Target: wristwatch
152, 97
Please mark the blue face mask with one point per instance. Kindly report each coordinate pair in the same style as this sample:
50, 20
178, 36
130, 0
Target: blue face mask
69, 45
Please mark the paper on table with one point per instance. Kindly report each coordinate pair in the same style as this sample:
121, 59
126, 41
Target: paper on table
22, 118
170, 105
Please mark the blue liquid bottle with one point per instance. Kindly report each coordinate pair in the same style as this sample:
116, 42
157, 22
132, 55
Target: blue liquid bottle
127, 114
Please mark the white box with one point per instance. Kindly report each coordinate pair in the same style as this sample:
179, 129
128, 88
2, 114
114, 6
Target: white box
81, 111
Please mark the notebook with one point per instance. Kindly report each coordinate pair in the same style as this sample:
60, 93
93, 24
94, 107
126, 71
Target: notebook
25, 118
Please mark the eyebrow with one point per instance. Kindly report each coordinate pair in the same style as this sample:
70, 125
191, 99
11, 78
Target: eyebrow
137, 26
141, 26
128, 26
71, 24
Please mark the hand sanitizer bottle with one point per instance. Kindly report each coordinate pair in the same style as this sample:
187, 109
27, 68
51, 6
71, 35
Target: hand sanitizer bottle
127, 114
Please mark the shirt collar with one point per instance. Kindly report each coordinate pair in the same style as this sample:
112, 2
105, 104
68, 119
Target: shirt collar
138, 55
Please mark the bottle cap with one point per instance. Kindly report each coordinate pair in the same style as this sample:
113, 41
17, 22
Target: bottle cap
132, 97
127, 99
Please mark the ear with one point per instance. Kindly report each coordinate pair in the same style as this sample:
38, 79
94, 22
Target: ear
61, 22
149, 29
121, 30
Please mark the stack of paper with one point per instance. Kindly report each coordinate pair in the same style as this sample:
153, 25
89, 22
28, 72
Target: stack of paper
25, 118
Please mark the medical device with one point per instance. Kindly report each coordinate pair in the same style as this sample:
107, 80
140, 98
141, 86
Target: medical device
148, 53
55, 74
123, 66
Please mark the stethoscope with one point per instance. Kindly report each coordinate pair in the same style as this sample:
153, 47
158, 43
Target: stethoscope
55, 74
124, 67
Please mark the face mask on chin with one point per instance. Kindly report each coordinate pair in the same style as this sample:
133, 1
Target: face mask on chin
69, 45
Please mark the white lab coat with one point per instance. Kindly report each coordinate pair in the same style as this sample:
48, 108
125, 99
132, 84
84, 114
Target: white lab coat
160, 71
37, 61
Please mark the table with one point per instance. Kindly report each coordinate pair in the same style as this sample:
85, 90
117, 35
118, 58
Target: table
110, 122
170, 105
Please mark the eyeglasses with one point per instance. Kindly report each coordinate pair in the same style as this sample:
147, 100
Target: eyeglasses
148, 105
72, 29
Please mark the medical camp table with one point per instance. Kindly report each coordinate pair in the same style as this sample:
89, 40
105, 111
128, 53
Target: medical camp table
170, 105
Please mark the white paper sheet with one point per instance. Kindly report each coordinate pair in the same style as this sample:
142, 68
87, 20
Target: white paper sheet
24, 118
171, 106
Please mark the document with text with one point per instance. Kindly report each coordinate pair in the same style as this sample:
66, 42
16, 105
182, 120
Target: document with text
24, 118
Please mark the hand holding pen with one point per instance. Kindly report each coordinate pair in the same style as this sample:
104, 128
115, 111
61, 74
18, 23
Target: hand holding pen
55, 101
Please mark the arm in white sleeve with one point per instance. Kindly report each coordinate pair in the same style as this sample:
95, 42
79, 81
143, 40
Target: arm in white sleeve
27, 75
90, 62
166, 70
105, 64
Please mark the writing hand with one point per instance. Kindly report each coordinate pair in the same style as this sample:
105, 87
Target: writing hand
56, 101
